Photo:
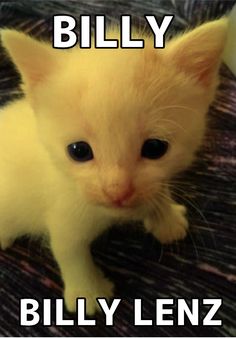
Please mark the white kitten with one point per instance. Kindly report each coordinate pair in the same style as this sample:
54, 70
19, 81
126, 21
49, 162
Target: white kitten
97, 138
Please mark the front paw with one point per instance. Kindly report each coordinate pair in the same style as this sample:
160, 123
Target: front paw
98, 288
173, 226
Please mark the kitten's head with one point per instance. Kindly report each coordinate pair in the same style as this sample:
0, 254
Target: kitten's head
121, 122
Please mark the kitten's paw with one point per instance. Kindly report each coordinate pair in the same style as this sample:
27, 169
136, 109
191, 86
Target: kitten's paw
101, 288
5, 243
173, 227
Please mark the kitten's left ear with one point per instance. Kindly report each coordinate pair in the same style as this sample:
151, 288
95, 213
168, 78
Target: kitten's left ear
34, 59
198, 52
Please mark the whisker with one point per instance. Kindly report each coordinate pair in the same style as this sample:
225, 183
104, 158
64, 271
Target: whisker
188, 108
194, 244
156, 204
196, 208
186, 200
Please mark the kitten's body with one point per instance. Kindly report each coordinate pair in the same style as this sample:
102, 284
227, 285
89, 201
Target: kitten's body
115, 100
23, 173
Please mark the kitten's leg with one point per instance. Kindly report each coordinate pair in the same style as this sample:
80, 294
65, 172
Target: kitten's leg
82, 278
6, 242
8, 234
169, 222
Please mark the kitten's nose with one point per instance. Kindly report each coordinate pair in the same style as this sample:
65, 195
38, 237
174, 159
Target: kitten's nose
119, 195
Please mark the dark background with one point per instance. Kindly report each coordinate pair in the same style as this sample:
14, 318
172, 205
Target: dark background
201, 266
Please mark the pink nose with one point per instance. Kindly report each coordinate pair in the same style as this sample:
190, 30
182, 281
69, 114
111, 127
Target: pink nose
119, 197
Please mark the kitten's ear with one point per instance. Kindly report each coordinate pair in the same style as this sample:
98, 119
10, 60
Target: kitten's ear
34, 59
198, 53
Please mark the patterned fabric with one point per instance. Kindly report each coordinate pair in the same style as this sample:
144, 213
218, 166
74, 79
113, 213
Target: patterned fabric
201, 266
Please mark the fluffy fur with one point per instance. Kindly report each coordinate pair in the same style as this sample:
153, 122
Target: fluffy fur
114, 99
229, 56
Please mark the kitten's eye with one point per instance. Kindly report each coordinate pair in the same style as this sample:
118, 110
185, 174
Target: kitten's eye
80, 151
154, 148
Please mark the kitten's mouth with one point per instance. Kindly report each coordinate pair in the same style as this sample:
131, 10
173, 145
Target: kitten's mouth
122, 205
124, 210
118, 205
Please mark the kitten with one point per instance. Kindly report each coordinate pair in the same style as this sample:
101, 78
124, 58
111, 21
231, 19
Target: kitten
229, 55
96, 139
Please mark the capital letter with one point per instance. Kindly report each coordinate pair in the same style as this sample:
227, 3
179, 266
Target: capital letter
183, 310
208, 321
85, 31
160, 310
138, 321
100, 41
60, 321
58, 31
81, 314
159, 32
25, 311
126, 41
109, 312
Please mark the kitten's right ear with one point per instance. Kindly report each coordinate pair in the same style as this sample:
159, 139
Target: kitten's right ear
34, 59
198, 53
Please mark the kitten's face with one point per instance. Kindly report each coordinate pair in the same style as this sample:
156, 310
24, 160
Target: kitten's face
140, 113
118, 110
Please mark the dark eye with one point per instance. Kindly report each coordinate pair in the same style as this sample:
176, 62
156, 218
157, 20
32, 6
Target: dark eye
154, 148
80, 151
